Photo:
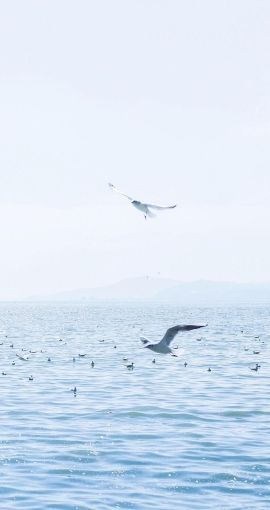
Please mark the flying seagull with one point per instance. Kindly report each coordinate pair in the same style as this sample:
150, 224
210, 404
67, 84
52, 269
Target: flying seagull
163, 347
143, 206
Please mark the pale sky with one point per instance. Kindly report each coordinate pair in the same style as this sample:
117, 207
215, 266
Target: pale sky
170, 101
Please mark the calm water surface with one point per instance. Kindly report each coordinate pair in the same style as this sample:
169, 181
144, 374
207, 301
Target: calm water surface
162, 436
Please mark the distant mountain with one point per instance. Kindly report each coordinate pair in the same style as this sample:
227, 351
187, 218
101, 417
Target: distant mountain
131, 289
208, 292
168, 290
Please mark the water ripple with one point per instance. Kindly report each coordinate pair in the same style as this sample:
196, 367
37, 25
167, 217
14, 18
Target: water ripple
158, 437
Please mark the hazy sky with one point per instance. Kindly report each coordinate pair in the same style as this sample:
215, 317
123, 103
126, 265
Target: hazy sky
170, 101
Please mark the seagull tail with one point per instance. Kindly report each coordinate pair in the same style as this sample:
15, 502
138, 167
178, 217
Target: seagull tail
150, 214
144, 340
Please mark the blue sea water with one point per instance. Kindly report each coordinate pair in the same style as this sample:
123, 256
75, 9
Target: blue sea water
162, 436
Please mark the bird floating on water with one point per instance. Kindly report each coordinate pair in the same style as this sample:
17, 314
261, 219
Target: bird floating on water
144, 207
256, 368
163, 347
23, 358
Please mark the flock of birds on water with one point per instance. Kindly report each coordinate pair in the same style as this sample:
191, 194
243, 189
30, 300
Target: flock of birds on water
162, 346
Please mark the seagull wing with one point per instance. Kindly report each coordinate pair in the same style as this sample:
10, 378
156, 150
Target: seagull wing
112, 187
160, 207
172, 332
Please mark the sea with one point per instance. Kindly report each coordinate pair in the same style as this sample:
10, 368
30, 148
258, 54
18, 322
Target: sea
186, 432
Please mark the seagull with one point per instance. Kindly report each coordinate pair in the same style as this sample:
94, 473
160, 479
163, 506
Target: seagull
163, 347
144, 207
256, 368
23, 358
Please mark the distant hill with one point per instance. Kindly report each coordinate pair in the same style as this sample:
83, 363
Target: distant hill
131, 289
167, 290
208, 292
